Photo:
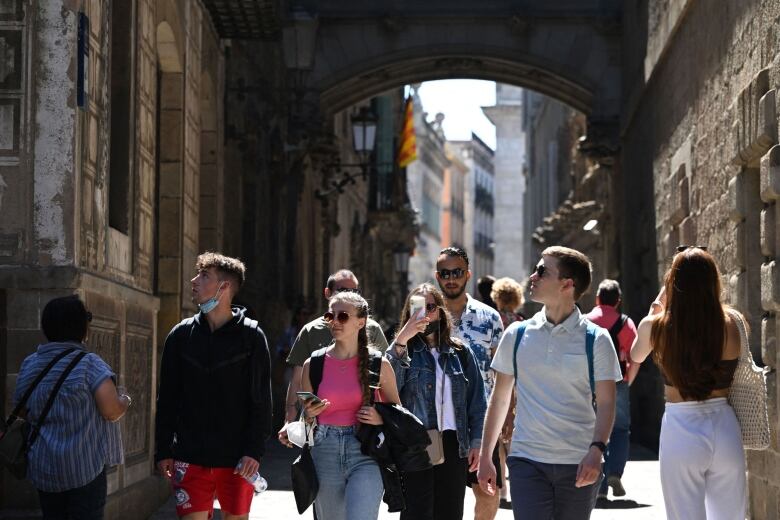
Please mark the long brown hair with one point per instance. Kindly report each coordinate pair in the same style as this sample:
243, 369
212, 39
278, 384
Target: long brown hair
361, 307
689, 337
445, 320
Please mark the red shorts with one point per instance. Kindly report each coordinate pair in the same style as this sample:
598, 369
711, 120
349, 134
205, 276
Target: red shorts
195, 488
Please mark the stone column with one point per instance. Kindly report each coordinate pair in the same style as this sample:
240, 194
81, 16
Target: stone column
507, 115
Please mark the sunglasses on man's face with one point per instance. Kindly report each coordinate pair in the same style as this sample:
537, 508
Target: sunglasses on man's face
454, 273
539, 270
341, 316
682, 248
346, 289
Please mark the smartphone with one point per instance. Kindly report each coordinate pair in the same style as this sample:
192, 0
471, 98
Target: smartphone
308, 395
417, 306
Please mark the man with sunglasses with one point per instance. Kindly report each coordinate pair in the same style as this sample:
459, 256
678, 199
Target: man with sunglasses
316, 335
559, 436
480, 328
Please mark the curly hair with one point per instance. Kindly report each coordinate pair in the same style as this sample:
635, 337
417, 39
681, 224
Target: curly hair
507, 293
225, 266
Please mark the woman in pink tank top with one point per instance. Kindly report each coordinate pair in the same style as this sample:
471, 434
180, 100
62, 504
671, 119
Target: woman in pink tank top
350, 482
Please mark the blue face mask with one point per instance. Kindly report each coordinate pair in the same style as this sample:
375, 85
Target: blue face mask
210, 304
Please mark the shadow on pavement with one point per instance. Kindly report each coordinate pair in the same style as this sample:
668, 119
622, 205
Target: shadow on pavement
605, 503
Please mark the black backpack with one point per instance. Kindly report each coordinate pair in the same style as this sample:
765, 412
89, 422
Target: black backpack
613, 333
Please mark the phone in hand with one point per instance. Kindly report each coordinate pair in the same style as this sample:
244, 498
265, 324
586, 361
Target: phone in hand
417, 306
308, 395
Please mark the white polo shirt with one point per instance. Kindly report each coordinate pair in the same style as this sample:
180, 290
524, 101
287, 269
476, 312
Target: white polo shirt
555, 419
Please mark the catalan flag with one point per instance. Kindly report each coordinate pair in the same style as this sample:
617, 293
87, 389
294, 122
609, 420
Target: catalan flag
408, 151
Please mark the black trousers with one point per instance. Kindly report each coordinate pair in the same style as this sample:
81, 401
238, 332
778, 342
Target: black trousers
83, 503
437, 493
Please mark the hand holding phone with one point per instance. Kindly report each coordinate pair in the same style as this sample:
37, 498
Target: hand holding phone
305, 396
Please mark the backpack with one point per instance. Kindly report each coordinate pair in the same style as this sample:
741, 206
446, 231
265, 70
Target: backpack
590, 339
613, 333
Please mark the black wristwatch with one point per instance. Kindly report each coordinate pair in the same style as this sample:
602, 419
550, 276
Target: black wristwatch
600, 445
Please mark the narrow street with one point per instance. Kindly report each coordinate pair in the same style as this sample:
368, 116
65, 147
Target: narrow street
643, 501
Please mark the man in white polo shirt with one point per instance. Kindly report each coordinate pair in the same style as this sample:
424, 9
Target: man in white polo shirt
559, 439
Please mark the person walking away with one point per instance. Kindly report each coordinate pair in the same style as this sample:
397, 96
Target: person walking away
80, 437
695, 341
622, 331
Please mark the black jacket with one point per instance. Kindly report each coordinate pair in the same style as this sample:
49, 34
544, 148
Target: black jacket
214, 401
398, 446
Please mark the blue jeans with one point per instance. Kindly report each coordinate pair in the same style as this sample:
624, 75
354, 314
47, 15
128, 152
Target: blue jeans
350, 483
617, 452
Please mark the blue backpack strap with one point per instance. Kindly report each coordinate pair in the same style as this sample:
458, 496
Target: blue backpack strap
518, 338
590, 339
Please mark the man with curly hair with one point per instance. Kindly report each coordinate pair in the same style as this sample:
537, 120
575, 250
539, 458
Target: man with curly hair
214, 403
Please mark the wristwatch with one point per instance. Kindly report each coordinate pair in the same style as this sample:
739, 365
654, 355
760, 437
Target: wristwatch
600, 445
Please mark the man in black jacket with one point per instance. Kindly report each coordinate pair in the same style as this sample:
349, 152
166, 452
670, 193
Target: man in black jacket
214, 403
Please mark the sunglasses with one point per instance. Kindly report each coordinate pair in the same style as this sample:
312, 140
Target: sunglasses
539, 270
454, 273
682, 248
346, 289
430, 307
341, 316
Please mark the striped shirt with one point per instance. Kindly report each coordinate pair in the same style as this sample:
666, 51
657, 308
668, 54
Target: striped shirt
75, 443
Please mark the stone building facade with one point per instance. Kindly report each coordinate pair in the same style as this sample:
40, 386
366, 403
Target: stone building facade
111, 131
479, 206
700, 127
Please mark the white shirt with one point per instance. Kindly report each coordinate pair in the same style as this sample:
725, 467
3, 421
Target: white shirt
445, 419
555, 419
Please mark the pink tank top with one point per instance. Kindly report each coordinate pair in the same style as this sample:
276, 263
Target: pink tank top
341, 386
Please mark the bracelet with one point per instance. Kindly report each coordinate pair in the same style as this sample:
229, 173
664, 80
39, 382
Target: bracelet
600, 445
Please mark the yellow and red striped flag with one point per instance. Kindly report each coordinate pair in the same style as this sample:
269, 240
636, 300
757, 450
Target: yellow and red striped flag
408, 150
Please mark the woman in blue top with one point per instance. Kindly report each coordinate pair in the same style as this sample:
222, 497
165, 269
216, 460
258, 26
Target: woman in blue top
439, 382
80, 437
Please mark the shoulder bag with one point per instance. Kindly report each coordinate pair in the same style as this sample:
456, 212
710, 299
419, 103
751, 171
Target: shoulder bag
748, 395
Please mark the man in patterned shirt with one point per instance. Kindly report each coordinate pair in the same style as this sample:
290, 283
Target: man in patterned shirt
480, 328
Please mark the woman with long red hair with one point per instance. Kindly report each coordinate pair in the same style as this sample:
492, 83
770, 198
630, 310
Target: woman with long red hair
694, 340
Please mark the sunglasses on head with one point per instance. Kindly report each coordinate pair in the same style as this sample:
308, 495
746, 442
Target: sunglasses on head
454, 273
346, 289
341, 316
682, 248
539, 270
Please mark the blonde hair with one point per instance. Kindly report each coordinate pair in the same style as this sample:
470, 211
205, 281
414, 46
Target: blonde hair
507, 293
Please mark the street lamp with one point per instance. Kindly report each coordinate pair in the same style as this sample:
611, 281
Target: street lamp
401, 259
364, 133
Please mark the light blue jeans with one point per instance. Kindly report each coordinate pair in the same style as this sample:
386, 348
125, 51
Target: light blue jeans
350, 483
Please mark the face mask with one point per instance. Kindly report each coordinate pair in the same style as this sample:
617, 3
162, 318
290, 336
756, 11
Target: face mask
431, 328
210, 304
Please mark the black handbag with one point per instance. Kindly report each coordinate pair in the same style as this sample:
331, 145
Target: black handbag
17, 435
304, 478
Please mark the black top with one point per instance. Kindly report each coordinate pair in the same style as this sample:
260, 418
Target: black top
214, 403
724, 373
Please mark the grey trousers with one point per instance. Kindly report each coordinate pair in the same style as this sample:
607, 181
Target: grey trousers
546, 491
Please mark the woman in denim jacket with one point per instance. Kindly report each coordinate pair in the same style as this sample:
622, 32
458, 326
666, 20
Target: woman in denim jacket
424, 357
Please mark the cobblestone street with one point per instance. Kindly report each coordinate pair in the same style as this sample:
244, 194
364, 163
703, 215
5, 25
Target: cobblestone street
641, 480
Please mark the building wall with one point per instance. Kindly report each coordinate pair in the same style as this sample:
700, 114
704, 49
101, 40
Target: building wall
509, 237
700, 121
83, 192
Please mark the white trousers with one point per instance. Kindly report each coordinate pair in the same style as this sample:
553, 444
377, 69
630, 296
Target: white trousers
702, 462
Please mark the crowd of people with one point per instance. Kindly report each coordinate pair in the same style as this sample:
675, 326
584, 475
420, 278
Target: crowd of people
540, 403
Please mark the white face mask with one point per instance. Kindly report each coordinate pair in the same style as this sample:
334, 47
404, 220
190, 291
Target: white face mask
296, 433
210, 304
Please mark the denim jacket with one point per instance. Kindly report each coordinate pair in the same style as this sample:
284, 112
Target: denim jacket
415, 375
